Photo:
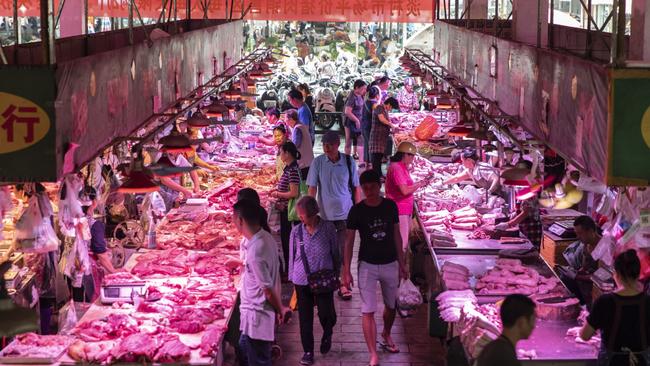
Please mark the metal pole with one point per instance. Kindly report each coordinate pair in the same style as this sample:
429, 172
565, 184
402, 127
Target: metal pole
47, 31
589, 40
620, 34
130, 21
456, 9
16, 25
539, 23
550, 27
85, 21
188, 6
613, 55
175, 17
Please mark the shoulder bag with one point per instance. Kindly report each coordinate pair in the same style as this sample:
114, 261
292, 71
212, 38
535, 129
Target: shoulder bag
292, 215
320, 282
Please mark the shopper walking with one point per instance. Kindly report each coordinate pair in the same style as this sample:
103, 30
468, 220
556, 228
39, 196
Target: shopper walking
301, 138
380, 260
260, 290
622, 317
307, 97
518, 318
304, 114
380, 132
288, 188
313, 249
353, 114
333, 177
374, 94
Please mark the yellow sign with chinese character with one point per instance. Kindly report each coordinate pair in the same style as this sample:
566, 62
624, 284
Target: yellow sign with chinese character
23, 123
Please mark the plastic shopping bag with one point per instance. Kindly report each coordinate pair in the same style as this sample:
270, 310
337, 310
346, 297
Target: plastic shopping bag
67, 318
408, 296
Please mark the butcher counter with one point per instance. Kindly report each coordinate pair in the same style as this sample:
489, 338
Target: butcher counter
549, 341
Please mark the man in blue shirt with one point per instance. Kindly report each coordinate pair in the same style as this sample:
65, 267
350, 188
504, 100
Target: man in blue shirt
304, 114
335, 178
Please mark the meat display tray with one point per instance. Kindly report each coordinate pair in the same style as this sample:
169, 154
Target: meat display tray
479, 264
552, 346
470, 246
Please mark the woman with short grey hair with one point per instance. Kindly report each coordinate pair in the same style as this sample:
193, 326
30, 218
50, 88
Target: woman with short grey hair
313, 240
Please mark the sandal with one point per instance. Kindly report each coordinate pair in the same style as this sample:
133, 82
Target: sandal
388, 347
345, 294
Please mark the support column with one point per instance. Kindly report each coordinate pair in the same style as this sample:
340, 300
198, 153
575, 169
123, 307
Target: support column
530, 22
475, 9
71, 21
640, 31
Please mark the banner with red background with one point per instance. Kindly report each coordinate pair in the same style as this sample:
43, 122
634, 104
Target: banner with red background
410, 11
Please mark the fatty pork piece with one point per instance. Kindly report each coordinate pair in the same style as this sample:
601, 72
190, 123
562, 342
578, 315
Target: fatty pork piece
211, 339
136, 347
111, 327
172, 350
192, 319
91, 352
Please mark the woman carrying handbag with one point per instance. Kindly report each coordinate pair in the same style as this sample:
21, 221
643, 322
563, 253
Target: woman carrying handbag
314, 264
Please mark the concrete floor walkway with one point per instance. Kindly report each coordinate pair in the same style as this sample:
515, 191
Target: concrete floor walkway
348, 344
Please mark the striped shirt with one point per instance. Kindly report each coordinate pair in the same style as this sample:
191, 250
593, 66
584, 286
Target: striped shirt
290, 175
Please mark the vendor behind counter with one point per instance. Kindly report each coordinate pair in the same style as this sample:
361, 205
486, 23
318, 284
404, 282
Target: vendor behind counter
581, 265
480, 174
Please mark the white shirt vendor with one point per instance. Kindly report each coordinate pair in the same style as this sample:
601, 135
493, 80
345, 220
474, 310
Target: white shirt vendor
261, 271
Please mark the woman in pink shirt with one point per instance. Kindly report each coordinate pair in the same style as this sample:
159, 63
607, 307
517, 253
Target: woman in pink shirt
400, 187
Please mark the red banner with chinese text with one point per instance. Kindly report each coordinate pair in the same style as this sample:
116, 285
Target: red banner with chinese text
403, 11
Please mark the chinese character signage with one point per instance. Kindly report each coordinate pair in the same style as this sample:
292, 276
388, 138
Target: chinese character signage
409, 11
629, 127
27, 127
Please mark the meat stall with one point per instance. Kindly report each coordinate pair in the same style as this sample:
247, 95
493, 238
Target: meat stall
476, 266
172, 304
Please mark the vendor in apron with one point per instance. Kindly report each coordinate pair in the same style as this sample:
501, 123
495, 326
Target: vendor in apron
100, 258
623, 317
171, 186
482, 175
528, 219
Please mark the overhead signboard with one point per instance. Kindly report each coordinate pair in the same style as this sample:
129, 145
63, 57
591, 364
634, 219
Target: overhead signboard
405, 11
629, 128
27, 126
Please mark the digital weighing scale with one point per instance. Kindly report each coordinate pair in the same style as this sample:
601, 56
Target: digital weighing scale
121, 292
563, 229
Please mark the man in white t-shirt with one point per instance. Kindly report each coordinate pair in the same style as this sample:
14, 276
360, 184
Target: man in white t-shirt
260, 286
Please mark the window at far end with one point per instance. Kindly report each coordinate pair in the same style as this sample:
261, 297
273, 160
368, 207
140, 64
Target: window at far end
493, 61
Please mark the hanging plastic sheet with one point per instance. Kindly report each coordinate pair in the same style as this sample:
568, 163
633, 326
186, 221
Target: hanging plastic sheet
560, 99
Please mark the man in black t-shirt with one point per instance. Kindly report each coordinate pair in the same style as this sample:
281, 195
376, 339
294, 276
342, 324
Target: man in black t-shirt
518, 319
380, 260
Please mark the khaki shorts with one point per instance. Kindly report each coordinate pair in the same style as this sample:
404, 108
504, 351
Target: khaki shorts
387, 275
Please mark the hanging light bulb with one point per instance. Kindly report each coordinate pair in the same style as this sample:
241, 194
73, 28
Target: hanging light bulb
518, 173
197, 120
175, 142
165, 168
480, 134
217, 110
138, 181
